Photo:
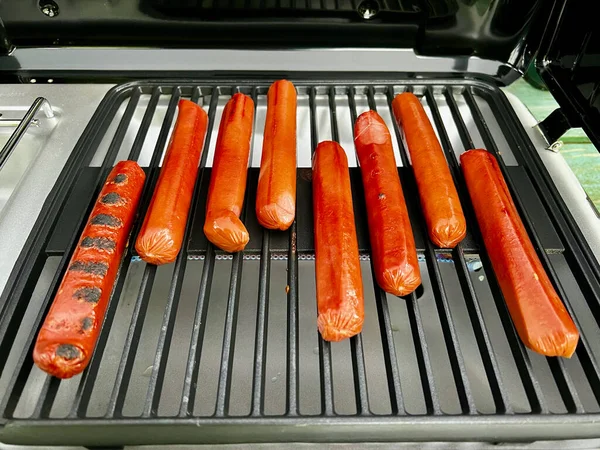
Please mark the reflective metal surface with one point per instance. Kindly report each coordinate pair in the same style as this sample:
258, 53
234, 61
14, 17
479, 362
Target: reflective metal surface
33, 167
54, 61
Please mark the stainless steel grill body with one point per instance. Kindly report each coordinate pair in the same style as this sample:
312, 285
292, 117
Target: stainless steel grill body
221, 348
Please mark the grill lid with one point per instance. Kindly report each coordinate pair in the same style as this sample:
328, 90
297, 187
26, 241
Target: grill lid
491, 30
569, 64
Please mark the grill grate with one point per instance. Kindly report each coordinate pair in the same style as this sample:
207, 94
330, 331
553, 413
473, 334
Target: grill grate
221, 348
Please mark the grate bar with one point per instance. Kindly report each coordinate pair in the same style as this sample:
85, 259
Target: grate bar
229, 336
293, 336
227, 353
136, 148
117, 140
324, 346
432, 401
325, 367
314, 132
356, 344
562, 377
472, 302
431, 398
450, 336
197, 338
530, 383
164, 339
117, 398
262, 319
389, 354
212, 112
335, 135
46, 397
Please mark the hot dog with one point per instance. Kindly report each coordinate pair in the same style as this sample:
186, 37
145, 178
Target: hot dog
223, 226
446, 223
340, 303
392, 242
543, 323
69, 333
161, 235
276, 192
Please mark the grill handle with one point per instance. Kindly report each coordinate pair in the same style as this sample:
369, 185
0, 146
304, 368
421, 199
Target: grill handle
26, 121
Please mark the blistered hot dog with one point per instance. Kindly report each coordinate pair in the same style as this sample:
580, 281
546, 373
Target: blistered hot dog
443, 213
392, 242
276, 192
340, 303
223, 226
543, 323
161, 235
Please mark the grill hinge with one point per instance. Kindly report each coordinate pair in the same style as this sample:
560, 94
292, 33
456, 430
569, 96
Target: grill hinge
554, 126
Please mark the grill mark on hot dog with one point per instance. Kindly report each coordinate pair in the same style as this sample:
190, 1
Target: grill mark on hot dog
86, 324
94, 268
88, 294
107, 220
112, 198
120, 178
99, 242
68, 351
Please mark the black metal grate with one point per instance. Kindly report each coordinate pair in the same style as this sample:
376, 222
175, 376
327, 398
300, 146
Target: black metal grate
221, 348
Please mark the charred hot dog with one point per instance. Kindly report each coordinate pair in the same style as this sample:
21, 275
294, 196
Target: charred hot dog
69, 333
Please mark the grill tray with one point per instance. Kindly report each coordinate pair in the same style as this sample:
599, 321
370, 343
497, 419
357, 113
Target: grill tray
221, 348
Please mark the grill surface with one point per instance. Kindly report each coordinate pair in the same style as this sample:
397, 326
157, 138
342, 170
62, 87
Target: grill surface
221, 348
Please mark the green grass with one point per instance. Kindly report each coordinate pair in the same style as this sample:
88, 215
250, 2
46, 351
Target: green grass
581, 155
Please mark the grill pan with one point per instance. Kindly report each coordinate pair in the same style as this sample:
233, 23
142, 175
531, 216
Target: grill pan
221, 348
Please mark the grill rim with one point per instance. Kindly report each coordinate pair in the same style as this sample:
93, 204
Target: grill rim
459, 427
